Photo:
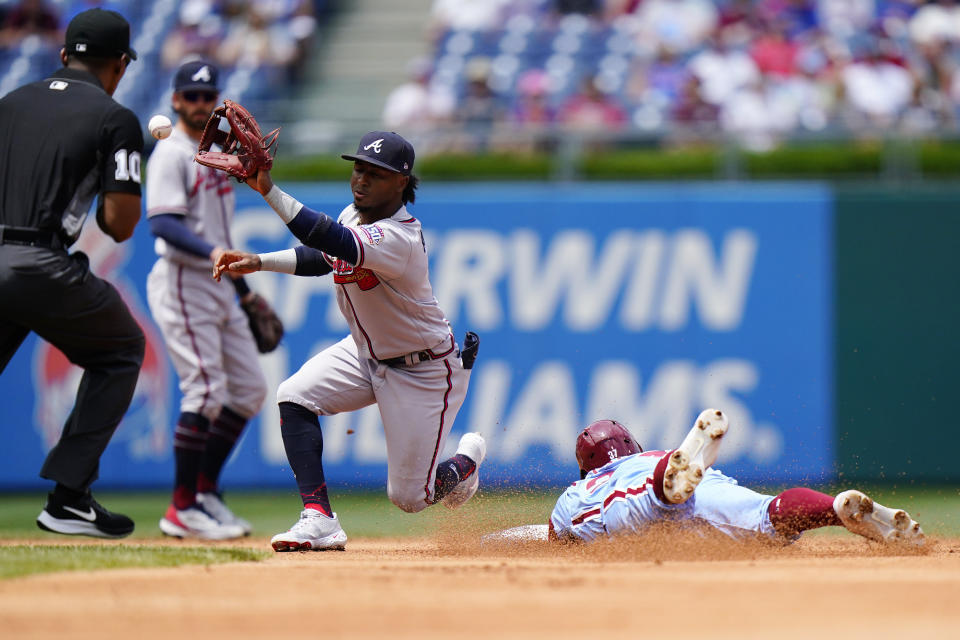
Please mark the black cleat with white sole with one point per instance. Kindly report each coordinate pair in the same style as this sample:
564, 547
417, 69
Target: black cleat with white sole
83, 517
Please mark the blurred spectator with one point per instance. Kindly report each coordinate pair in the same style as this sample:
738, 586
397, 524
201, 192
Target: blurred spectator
936, 21
301, 27
736, 20
592, 110
795, 17
812, 92
876, 89
464, 15
845, 18
693, 112
533, 106
253, 40
30, 18
678, 25
659, 82
532, 117
773, 52
417, 104
722, 69
585, 7
479, 109
197, 34
933, 65
757, 116
920, 117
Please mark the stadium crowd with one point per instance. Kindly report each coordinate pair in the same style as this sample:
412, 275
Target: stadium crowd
271, 39
514, 73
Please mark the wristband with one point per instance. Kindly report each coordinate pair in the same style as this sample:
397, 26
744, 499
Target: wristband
280, 261
286, 206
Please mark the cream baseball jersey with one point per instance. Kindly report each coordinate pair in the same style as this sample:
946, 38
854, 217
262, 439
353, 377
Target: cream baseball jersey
204, 196
387, 298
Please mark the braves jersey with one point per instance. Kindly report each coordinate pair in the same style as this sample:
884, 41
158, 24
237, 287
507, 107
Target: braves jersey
387, 298
202, 195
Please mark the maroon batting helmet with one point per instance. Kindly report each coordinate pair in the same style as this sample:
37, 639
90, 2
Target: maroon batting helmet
601, 442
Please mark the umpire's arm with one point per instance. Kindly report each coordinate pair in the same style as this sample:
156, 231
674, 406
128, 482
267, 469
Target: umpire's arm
118, 214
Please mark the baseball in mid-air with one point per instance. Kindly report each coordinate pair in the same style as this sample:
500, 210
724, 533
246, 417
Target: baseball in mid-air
160, 126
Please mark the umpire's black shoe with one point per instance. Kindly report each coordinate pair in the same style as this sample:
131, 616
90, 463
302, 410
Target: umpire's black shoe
83, 517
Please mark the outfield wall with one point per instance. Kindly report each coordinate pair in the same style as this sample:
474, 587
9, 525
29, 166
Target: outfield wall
640, 303
897, 305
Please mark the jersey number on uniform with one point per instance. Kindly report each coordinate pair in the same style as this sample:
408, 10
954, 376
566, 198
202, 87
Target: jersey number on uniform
128, 165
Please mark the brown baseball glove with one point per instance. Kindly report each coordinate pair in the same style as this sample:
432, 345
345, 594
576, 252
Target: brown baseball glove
244, 150
264, 323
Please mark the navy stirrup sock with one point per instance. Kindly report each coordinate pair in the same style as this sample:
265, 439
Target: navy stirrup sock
450, 473
189, 443
303, 443
221, 438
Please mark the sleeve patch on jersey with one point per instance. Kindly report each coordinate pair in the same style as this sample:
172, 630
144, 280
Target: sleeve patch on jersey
373, 234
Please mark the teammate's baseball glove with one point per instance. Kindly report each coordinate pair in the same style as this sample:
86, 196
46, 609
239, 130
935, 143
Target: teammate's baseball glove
245, 151
266, 326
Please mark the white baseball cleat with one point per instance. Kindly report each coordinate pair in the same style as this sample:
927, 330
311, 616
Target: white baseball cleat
474, 447
694, 455
861, 515
213, 504
194, 522
312, 532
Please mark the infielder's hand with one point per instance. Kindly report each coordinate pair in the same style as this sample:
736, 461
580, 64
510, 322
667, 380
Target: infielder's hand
236, 262
261, 182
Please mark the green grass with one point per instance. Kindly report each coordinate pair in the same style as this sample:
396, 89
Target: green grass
371, 515
364, 515
26, 559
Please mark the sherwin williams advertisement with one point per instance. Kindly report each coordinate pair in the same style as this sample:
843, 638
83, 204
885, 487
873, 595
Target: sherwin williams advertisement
640, 303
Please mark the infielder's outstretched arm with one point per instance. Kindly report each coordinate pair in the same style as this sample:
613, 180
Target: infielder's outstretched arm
313, 228
301, 261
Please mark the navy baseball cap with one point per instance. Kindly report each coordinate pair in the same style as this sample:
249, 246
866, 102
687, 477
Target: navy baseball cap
196, 75
384, 149
99, 32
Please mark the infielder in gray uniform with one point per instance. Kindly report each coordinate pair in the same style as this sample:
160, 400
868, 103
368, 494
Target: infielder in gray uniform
190, 207
401, 353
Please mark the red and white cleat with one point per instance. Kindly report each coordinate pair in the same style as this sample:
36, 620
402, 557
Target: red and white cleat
194, 522
312, 532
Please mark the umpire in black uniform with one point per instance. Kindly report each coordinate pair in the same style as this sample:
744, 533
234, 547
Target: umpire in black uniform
64, 143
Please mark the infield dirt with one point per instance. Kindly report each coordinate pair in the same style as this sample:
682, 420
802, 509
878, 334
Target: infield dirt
453, 587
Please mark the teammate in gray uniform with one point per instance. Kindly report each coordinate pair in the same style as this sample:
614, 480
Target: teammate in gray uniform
208, 337
401, 353
64, 142
623, 489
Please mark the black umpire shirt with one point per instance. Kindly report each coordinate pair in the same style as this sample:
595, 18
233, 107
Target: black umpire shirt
63, 141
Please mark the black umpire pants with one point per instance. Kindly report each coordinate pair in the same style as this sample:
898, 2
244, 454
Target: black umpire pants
55, 295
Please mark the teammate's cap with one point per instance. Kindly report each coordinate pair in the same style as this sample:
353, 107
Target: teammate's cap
384, 149
196, 75
99, 32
